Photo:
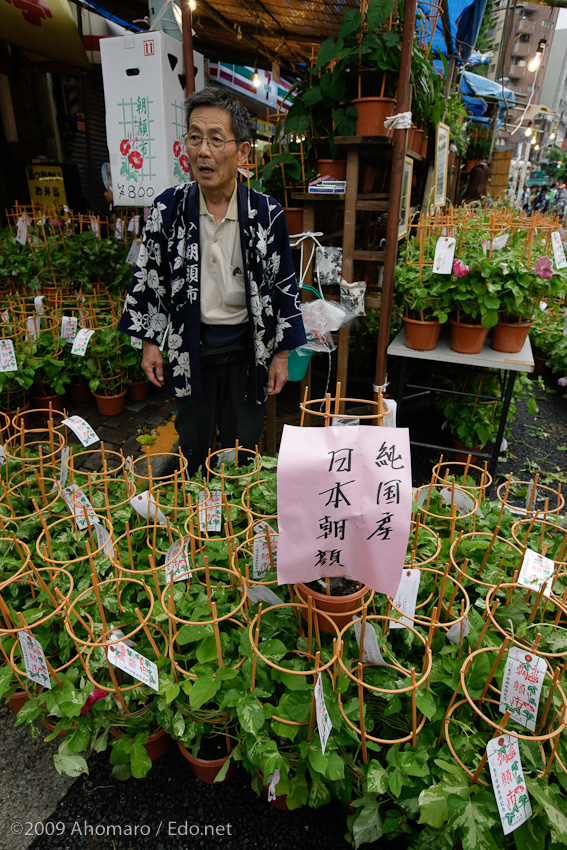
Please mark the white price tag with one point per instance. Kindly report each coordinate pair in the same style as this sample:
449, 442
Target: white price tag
558, 252
22, 230
132, 255
134, 224
78, 503
370, 650
521, 686
94, 225
406, 597
508, 782
7, 356
389, 420
34, 660
177, 561
68, 330
444, 254
463, 502
38, 304
143, 505
65, 452
81, 428
81, 341
136, 342
462, 628
210, 511
119, 229
260, 593
136, 665
103, 539
343, 421
261, 555
128, 468
33, 325
324, 724
2, 455
537, 570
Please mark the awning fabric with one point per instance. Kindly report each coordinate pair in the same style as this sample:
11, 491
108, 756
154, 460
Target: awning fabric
44, 27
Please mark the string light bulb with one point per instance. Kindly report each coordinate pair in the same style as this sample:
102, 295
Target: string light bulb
535, 62
552, 136
192, 5
527, 132
536, 148
256, 81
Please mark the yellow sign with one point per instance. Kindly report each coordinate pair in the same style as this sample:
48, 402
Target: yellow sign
46, 185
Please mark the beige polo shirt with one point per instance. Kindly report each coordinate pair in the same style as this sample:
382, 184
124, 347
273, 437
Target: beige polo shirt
223, 294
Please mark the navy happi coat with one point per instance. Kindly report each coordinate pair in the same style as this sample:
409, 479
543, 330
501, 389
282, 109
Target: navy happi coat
165, 289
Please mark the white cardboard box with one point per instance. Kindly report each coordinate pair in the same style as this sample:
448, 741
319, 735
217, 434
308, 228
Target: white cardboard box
144, 92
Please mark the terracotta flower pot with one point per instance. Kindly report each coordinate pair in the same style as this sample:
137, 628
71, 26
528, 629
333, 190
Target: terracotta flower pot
207, 770
421, 335
467, 339
462, 452
423, 148
510, 336
294, 219
415, 137
158, 743
110, 405
79, 392
372, 112
138, 390
41, 402
18, 700
340, 609
334, 168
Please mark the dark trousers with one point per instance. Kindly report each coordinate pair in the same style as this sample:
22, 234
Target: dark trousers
220, 403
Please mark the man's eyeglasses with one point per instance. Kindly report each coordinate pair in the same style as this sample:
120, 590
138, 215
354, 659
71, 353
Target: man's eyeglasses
216, 143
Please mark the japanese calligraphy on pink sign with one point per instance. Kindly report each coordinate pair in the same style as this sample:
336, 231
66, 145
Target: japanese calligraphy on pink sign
34, 660
508, 782
130, 661
521, 686
344, 505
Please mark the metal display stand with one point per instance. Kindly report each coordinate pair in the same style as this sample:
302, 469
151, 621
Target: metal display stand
487, 359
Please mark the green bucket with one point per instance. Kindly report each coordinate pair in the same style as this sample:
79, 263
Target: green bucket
297, 363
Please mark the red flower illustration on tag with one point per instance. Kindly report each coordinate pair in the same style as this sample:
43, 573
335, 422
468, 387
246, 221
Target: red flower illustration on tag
135, 159
124, 147
184, 163
177, 148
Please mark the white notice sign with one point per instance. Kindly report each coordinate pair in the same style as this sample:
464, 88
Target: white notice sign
136, 665
508, 782
34, 660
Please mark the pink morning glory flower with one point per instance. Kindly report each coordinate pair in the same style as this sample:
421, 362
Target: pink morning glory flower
544, 268
460, 269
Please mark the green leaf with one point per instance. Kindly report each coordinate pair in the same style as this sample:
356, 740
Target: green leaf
319, 795
6, 679
69, 763
376, 778
366, 824
273, 650
472, 824
207, 650
377, 12
433, 800
172, 693
328, 51
190, 634
28, 712
250, 714
298, 792
140, 761
203, 690
426, 704
553, 803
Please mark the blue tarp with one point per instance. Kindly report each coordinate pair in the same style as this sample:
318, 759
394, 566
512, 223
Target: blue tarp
475, 88
465, 19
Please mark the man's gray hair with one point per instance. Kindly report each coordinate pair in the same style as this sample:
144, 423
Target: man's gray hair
211, 96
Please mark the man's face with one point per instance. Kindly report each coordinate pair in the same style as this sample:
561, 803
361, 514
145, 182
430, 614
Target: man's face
215, 170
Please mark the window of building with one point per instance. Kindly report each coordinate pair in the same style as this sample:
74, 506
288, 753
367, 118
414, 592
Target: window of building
500, 25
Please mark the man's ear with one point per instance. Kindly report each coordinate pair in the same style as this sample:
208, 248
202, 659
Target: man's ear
244, 152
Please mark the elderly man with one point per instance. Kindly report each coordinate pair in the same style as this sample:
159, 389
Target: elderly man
215, 275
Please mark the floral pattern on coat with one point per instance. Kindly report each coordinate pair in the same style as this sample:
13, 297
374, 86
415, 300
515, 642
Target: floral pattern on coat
165, 291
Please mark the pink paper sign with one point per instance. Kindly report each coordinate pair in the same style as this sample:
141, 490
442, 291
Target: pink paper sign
344, 505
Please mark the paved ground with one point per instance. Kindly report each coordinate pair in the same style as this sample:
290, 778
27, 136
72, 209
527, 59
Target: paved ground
31, 792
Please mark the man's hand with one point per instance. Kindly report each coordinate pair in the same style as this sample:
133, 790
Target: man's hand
152, 364
277, 373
